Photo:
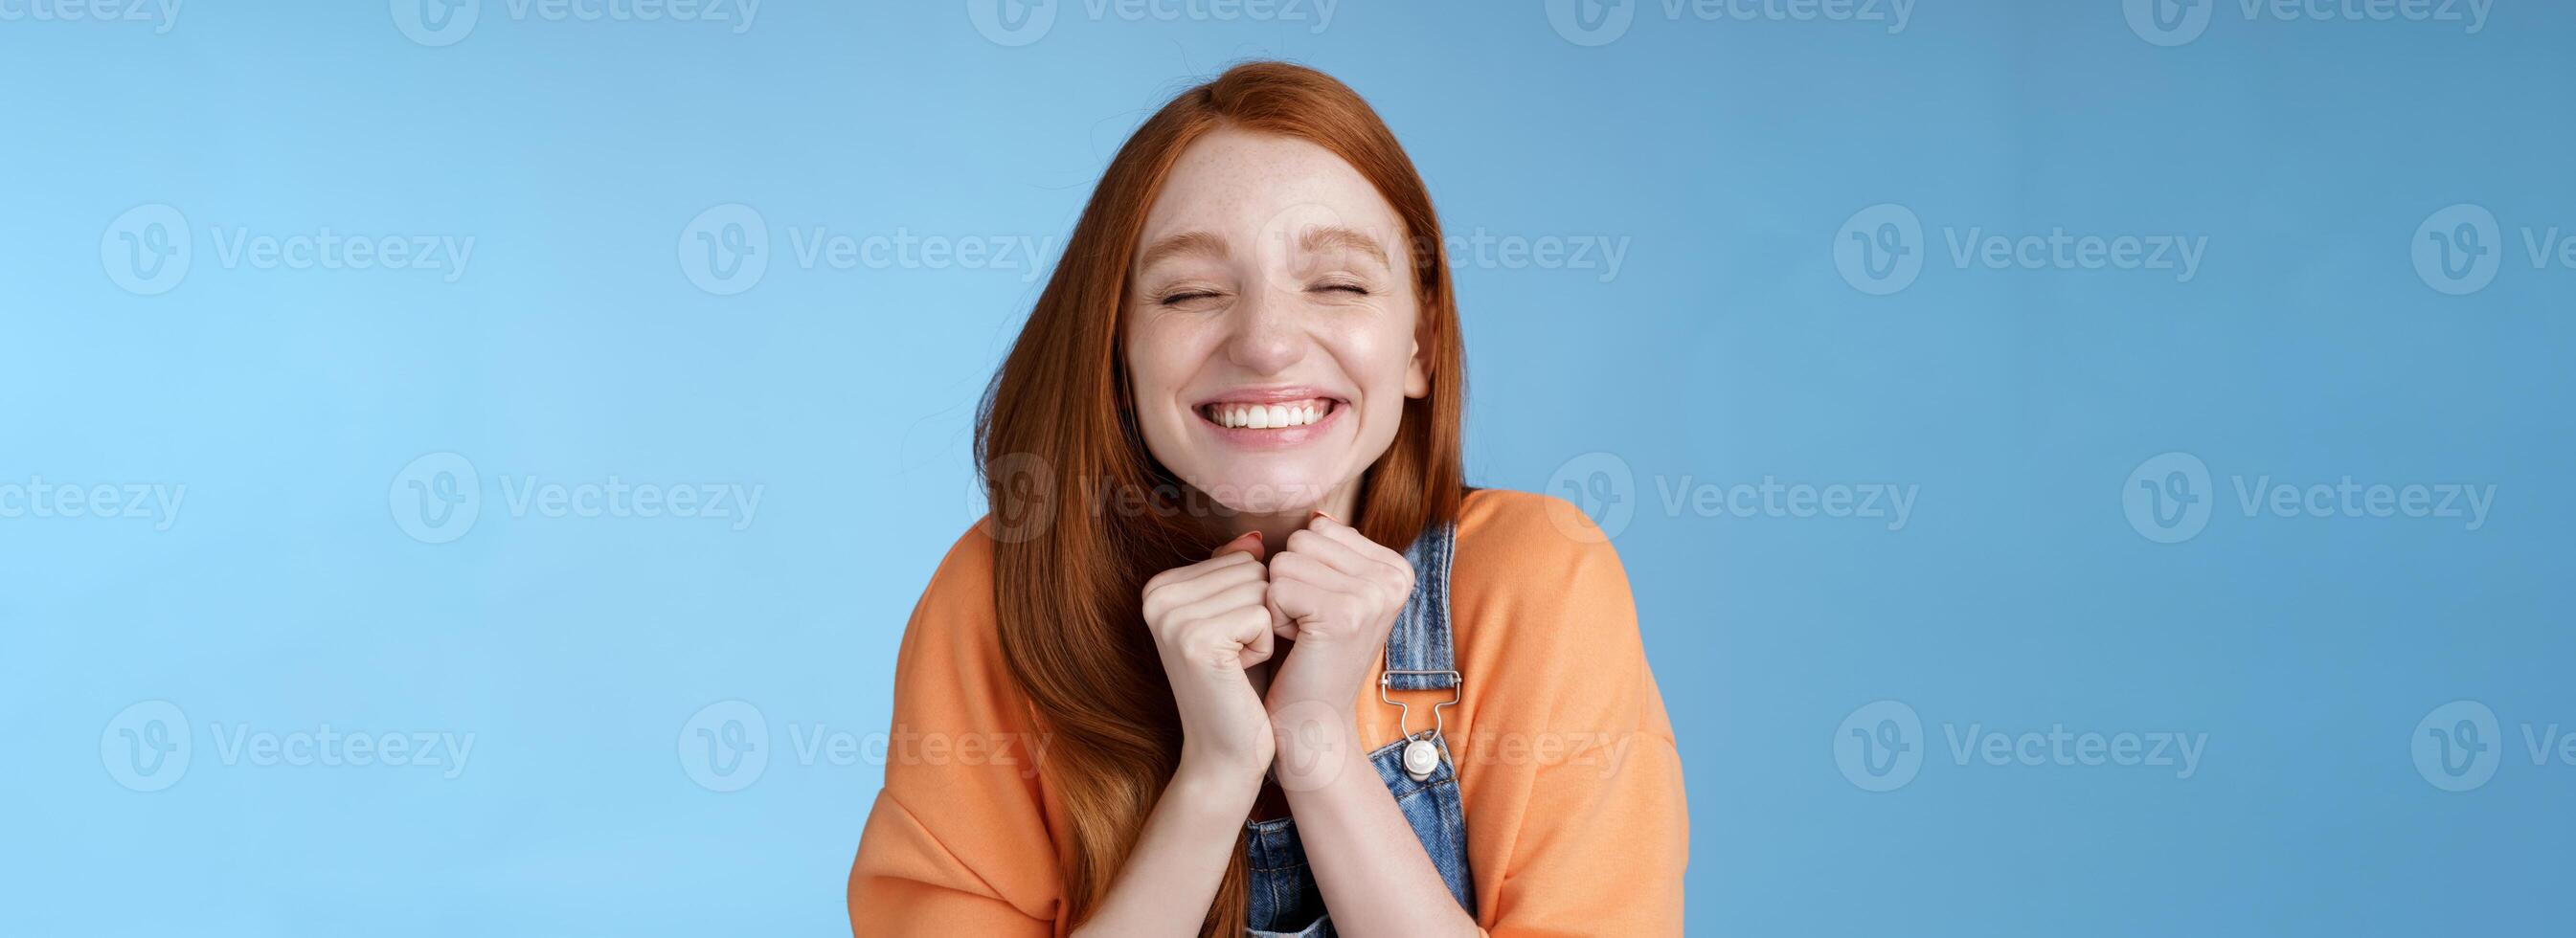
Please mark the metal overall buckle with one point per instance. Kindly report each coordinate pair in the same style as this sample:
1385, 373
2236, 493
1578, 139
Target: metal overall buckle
1421, 754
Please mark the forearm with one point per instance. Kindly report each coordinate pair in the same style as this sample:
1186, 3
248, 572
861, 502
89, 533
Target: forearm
1171, 878
1373, 872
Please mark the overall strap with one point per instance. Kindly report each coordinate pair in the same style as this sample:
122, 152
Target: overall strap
1419, 642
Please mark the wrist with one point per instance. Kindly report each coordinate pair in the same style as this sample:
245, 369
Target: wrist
1317, 742
1216, 785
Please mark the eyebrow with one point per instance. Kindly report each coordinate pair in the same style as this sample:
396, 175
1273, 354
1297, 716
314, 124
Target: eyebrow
1187, 242
1317, 240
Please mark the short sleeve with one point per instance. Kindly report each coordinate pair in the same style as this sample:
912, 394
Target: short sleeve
958, 842
1589, 802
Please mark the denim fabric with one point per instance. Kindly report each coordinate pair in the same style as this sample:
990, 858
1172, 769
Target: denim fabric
1285, 900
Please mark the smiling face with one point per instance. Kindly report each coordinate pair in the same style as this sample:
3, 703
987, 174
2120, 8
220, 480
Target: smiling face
1270, 324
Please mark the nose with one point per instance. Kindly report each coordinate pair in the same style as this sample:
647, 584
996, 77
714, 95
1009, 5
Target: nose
1267, 336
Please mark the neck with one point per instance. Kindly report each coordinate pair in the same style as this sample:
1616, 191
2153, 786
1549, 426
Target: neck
1342, 503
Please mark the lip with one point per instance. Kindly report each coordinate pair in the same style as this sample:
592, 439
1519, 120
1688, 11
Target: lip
1273, 396
1283, 438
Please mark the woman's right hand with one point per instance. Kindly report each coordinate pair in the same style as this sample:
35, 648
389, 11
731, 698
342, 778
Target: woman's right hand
1210, 626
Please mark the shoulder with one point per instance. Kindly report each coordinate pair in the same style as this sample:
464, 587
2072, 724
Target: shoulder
964, 580
952, 640
1540, 605
1529, 539
1540, 562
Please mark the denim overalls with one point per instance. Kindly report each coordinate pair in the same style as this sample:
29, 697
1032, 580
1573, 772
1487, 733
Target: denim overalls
1285, 899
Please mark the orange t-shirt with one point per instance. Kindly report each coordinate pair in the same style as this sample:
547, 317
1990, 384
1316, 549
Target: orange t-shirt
1566, 767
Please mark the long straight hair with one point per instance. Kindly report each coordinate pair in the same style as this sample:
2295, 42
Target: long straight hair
1060, 454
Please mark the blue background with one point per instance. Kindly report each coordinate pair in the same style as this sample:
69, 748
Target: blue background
287, 591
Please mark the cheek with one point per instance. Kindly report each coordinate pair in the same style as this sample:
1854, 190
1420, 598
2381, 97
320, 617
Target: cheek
1377, 355
1160, 359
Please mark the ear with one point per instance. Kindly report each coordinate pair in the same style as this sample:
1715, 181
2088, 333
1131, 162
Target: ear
1417, 373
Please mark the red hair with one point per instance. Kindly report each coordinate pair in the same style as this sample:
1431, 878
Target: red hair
1057, 430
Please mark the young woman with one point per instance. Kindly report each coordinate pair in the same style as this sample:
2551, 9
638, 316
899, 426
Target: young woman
1237, 651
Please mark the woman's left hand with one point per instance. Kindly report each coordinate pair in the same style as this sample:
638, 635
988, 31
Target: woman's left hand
1336, 593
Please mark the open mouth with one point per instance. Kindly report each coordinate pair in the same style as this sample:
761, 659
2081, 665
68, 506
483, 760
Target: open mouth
1270, 415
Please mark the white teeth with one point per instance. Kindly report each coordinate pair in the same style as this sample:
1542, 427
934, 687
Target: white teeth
1268, 416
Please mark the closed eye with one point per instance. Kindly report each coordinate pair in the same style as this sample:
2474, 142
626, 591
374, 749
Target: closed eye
1351, 288
1179, 297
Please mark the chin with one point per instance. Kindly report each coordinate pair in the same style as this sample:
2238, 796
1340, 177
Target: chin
1265, 492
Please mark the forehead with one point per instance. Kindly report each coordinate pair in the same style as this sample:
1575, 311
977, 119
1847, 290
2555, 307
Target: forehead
1243, 185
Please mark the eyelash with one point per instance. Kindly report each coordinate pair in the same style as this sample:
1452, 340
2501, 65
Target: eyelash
1184, 296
